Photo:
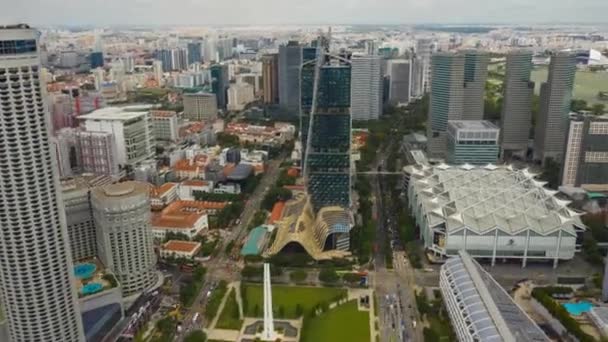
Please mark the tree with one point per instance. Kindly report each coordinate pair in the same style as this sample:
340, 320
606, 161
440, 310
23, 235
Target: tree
577, 105
328, 275
299, 310
275, 194
256, 311
281, 312
298, 276
551, 173
196, 336
598, 109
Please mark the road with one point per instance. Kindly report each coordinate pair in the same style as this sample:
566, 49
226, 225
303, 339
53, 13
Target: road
398, 314
222, 267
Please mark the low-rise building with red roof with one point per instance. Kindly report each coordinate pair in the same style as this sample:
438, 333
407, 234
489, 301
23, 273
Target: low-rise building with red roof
180, 249
185, 217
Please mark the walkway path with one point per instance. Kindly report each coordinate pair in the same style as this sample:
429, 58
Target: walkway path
239, 299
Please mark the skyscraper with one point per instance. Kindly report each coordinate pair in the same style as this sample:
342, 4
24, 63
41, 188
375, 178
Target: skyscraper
164, 56
446, 99
270, 78
96, 59
290, 61
555, 97
179, 59
327, 154
516, 116
37, 289
475, 75
194, 52
422, 67
400, 71
220, 82
124, 239
366, 87
586, 158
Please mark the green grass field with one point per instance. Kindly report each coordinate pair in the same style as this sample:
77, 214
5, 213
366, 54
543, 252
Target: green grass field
344, 323
586, 84
289, 297
229, 318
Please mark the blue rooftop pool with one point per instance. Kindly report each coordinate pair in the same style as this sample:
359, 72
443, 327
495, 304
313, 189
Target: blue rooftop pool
91, 288
84, 271
577, 309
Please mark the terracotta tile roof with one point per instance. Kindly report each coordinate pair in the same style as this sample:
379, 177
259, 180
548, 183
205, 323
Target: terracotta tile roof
183, 214
195, 183
182, 246
162, 113
161, 190
293, 172
195, 164
277, 212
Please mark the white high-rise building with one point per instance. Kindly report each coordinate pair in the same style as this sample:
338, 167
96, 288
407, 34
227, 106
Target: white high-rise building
38, 294
366, 87
158, 71
400, 71
239, 95
124, 238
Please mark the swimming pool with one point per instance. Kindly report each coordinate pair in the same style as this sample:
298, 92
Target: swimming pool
84, 271
91, 288
577, 309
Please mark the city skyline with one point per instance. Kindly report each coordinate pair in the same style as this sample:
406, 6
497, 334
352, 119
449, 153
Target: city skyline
274, 12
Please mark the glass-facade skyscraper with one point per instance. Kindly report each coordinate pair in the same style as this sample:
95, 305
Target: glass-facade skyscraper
194, 53
328, 160
219, 84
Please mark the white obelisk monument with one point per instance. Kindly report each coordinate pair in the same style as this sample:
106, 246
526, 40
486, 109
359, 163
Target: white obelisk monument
268, 334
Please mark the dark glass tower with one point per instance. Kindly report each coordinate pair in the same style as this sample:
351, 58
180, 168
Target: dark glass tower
194, 53
328, 160
219, 83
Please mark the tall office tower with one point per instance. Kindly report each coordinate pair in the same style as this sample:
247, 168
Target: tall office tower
224, 49
157, 67
220, 81
99, 75
200, 106
446, 99
516, 115
327, 150
66, 147
96, 58
475, 75
98, 153
586, 159
366, 88
239, 95
128, 63
290, 61
194, 53
38, 294
79, 216
270, 78
555, 96
179, 59
165, 57
424, 50
124, 238
210, 51
472, 142
371, 48
400, 71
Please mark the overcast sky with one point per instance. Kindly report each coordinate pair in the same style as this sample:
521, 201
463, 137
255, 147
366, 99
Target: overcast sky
230, 12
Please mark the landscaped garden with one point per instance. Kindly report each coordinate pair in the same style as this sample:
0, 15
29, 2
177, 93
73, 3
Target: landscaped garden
288, 301
229, 318
343, 323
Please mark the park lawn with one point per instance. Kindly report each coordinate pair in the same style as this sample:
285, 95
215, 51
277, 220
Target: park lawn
229, 318
586, 84
289, 297
344, 323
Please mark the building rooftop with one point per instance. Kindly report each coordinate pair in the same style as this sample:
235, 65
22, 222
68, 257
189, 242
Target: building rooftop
117, 113
195, 183
162, 190
162, 113
277, 212
181, 246
484, 198
472, 124
184, 214
492, 313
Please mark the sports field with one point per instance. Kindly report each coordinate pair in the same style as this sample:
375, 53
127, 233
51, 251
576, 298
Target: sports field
344, 323
586, 84
288, 298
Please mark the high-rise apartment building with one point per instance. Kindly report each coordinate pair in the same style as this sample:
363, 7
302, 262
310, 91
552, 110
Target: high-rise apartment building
516, 115
239, 95
124, 237
421, 66
220, 81
290, 62
79, 216
157, 67
555, 97
446, 99
475, 75
366, 87
38, 295
66, 148
586, 158
200, 106
164, 56
132, 130
194, 53
400, 81
270, 78
179, 59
